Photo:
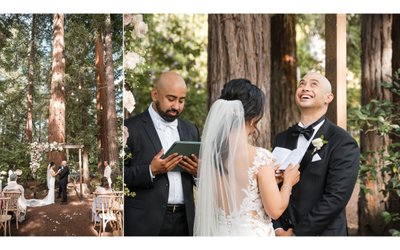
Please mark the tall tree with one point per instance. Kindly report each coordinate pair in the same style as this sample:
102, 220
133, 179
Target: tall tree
101, 100
239, 47
376, 61
28, 133
283, 72
57, 99
112, 135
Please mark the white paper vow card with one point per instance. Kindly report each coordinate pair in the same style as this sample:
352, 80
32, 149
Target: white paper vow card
286, 156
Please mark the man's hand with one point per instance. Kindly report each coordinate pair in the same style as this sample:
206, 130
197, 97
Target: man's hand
282, 232
190, 164
161, 166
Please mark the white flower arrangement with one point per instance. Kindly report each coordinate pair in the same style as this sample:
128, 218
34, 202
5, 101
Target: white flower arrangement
318, 143
37, 149
132, 59
125, 135
129, 101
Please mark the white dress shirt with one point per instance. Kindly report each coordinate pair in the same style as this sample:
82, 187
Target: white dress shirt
168, 134
107, 174
302, 142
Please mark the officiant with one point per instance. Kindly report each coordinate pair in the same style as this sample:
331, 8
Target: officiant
328, 168
163, 204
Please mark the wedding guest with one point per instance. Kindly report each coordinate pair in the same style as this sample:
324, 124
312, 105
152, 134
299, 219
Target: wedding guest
14, 186
103, 188
163, 204
107, 172
328, 169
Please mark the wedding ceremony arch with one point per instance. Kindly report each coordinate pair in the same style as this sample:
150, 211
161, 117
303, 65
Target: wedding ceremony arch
37, 150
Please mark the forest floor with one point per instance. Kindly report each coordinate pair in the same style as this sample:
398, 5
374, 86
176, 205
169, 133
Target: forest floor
73, 219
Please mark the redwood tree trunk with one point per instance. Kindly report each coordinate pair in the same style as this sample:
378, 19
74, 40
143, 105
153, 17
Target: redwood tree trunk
239, 47
29, 130
376, 59
112, 135
283, 73
101, 98
57, 100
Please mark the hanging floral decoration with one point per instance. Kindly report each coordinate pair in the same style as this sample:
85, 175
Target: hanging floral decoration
37, 149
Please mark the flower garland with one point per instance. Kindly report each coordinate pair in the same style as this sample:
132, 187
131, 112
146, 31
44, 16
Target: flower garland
37, 150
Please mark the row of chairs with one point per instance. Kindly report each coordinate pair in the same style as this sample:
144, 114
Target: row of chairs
109, 209
9, 203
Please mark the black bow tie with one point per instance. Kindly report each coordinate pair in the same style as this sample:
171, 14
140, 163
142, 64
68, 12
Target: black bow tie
307, 132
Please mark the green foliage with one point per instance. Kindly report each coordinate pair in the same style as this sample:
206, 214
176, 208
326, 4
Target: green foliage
173, 42
383, 118
310, 33
80, 85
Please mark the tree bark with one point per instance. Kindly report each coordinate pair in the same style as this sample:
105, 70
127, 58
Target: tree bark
112, 135
57, 101
29, 123
376, 58
239, 47
283, 73
101, 98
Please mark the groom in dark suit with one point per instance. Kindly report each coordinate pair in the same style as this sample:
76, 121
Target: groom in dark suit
63, 175
163, 204
328, 169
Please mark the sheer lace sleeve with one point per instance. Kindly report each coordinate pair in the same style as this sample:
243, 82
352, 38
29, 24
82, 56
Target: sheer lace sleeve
263, 158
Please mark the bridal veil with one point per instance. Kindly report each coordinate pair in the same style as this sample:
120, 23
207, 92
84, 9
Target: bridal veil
223, 167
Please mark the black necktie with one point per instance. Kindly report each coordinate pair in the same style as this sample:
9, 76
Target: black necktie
306, 132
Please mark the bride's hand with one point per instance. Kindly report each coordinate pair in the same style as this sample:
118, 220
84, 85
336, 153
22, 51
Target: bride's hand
291, 175
278, 174
282, 232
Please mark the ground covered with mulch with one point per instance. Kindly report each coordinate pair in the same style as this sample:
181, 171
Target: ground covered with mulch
73, 219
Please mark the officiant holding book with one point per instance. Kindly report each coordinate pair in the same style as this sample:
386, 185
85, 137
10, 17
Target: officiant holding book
329, 165
163, 204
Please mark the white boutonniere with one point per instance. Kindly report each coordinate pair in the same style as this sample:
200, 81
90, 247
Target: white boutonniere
318, 143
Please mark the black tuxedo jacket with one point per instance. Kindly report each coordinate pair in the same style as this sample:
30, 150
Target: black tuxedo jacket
318, 201
144, 213
63, 175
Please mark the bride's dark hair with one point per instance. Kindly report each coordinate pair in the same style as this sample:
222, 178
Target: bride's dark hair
250, 95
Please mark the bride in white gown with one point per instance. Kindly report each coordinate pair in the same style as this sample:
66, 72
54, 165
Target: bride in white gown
237, 190
51, 179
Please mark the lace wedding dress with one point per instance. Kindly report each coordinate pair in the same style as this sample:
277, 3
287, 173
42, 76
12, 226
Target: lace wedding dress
49, 199
228, 198
251, 219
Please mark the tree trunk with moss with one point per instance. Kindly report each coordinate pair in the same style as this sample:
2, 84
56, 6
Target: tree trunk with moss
376, 60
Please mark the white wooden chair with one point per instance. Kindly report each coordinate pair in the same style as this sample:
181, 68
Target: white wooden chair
5, 218
107, 214
118, 207
13, 203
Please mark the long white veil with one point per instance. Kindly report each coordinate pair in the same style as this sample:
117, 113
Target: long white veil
48, 176
223, 167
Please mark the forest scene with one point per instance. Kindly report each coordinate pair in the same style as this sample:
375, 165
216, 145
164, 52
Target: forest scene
274, 51
61, 100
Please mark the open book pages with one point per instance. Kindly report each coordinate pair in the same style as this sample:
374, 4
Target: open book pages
286, 156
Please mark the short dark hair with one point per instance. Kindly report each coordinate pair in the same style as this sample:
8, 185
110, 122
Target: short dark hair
250, 95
